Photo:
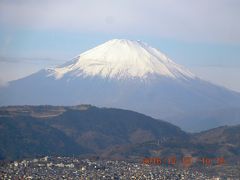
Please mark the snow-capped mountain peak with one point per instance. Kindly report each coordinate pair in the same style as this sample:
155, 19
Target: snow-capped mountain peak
120, 59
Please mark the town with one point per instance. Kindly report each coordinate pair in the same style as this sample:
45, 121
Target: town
76, 168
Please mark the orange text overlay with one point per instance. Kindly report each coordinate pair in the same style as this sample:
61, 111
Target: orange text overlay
186, 161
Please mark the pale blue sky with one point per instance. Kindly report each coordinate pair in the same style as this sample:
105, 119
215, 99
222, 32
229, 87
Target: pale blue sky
201, 35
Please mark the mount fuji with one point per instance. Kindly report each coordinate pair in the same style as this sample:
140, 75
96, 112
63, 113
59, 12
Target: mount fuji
130, 75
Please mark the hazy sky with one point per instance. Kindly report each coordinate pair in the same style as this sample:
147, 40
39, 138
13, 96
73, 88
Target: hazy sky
201, 35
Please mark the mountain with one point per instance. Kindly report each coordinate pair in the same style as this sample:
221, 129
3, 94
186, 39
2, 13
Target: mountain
129, 75
28, 131
225, 139
228, 135
84, 130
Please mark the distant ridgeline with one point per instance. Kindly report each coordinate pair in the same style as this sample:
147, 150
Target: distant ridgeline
84, 130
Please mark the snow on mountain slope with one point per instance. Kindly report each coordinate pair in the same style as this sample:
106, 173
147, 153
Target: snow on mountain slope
120, 59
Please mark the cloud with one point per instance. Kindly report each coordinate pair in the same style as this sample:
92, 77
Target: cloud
45, 61
190, 20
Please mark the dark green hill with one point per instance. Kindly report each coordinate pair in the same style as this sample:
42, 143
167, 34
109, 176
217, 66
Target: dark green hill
41, 130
